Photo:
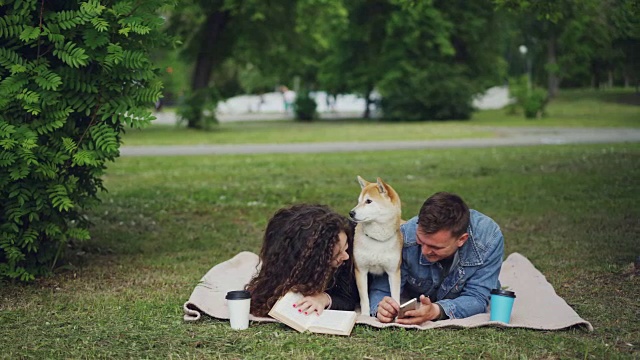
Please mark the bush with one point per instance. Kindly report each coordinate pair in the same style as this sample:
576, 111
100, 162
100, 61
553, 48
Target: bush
426, 95
305, 106
532, 101
73, 75
198, 108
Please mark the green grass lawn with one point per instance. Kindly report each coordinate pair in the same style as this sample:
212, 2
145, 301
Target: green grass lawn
264, 132
573, 108
571, 209
576, 108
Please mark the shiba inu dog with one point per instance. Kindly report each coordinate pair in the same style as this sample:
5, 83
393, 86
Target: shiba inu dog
377, 243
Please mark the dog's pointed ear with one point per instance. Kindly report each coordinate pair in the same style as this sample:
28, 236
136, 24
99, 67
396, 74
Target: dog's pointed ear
362, 182
381, 188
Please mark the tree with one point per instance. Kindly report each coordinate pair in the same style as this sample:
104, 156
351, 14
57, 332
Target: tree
354, 64
585, 41
202, 24
623, 17
73, 76
437, 56
286, 39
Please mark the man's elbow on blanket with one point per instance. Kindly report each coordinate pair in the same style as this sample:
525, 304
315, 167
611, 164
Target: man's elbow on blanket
463, 306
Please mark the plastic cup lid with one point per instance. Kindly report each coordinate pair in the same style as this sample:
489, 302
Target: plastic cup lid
503, 292
238, 295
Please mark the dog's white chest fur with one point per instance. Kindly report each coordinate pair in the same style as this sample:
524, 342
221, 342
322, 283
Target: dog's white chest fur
373, 255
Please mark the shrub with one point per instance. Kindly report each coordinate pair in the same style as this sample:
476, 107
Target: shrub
532, 101
305, 106
198, 108
440, 94
73, 75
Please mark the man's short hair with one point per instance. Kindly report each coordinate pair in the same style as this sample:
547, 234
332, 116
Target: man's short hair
444, 211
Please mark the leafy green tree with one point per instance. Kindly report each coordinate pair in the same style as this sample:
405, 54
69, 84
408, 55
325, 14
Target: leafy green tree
580, 42
355, 62
203, 27
623, 17
73, 76
283, 39
437, 56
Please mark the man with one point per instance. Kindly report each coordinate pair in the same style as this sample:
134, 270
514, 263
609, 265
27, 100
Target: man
451, 260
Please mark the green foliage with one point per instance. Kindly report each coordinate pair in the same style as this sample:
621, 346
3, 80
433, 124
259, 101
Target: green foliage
577, 43
305, 106
439, 92
528, 98
356, 61
198, 109
551, 10
73, 75
534, 103
436, 57
252, 45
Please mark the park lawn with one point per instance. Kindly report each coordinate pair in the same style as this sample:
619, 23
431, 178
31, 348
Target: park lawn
571, 209
289, 131
576, 108
573, 108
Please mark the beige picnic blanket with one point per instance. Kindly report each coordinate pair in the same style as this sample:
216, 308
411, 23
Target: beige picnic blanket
537, 306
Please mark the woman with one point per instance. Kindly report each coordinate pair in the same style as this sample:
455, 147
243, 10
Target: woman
306, 249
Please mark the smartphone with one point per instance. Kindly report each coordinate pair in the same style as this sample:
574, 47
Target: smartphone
412, 304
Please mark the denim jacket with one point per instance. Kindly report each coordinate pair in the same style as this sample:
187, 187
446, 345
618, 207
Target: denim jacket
465, 290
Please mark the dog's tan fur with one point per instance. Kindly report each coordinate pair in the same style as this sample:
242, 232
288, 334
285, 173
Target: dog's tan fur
377, 246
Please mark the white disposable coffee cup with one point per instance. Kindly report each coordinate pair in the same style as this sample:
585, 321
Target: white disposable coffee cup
239, 303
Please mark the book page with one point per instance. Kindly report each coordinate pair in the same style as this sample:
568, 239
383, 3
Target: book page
284, 311
334, 322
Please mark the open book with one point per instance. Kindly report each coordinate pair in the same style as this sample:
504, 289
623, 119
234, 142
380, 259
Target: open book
330, 322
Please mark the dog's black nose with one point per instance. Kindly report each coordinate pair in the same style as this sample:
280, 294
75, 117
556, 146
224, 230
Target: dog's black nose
352, 214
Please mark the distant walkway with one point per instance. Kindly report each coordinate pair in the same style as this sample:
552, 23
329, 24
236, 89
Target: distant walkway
508, 136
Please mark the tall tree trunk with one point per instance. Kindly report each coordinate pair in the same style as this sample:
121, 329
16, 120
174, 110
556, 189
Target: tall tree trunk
552, 63
206, 59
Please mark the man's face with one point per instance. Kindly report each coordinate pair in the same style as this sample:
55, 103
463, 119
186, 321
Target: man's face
440, 245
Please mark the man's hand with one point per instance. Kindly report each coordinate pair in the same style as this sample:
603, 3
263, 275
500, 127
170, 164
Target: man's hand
313, 304
427, 311
387, 310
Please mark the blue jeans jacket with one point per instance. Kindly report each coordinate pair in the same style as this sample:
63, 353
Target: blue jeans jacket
465, 290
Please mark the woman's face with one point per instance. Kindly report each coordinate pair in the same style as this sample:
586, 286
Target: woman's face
340, 254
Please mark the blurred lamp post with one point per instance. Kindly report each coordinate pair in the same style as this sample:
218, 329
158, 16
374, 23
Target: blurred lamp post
523, 50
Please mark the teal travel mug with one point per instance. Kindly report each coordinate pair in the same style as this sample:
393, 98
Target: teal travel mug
501, 305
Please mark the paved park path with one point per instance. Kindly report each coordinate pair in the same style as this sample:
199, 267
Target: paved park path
507, 136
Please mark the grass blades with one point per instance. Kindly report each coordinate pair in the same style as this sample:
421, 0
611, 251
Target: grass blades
571, 209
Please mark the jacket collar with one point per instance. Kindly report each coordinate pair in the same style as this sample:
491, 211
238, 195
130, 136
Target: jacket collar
469, 254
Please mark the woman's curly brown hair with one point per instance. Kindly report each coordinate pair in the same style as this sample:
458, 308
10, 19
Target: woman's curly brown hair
296, 254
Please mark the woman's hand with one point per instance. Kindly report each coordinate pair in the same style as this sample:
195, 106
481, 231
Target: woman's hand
313, 303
